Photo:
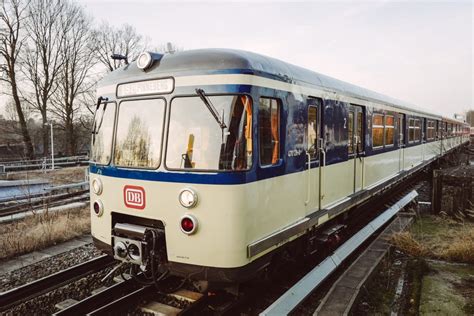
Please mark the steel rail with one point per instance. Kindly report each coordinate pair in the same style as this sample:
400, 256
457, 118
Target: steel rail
125, 290
122, 302
46, 284
48, 200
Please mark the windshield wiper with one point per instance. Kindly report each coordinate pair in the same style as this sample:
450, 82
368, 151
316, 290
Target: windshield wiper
96, 127
211, 108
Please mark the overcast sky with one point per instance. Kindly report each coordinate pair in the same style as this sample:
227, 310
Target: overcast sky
417, 51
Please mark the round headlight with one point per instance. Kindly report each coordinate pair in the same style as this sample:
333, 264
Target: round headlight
144, 60
188, 198
97, 186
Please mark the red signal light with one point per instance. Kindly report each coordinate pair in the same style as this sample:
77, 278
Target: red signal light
96, 208
188, 224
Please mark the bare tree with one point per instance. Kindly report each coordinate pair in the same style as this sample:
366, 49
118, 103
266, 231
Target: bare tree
12, 18
123, 40
42, 61
74, 78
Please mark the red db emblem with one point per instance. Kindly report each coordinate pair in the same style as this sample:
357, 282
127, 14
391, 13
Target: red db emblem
134, 197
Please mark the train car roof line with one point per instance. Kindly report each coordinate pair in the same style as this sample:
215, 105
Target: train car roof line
202, 60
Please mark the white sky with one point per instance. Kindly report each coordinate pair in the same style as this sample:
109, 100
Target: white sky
417, 51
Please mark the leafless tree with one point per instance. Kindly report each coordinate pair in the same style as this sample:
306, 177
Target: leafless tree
12, 40
123, 40
74, 78
42, 61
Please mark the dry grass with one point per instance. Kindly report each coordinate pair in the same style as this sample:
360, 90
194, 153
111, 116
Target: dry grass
41, 231
405, 242
438, 238
55, 177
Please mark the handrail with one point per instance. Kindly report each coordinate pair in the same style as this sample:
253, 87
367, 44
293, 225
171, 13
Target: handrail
308, 193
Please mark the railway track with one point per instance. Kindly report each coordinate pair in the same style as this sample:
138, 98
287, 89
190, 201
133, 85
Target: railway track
49, 283
49, 201
129, 297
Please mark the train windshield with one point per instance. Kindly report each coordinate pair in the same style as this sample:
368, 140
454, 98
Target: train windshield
139, 133
197, 141
102, 133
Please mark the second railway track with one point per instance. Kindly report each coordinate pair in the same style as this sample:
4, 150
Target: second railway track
52, 282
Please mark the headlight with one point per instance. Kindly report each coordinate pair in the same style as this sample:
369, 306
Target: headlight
97, 186
188, 198
144, 60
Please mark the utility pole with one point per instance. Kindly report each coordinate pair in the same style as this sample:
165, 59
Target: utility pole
52, 145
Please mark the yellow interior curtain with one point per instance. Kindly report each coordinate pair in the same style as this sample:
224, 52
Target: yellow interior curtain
248, 127
275, 138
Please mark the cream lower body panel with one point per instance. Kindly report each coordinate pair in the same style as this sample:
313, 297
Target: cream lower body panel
231, 217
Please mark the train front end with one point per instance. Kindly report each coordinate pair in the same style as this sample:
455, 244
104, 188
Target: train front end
169, 163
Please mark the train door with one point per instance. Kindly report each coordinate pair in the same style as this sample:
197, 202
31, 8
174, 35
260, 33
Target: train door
401, 140
313, 160
356, 144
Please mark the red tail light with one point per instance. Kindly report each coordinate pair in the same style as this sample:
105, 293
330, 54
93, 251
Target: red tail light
188, 224
98, 208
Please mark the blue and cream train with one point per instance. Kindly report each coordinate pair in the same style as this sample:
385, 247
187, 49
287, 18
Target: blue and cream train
206, 163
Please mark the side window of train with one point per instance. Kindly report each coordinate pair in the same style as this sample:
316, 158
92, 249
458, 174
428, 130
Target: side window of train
313, 131
269, 131
414, 130
377, 130
389, 130
430, 130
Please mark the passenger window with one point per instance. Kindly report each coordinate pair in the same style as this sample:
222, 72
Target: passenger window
430, 130
414, 130
389, 130
417, 130
312, 131
269, 131
377, 130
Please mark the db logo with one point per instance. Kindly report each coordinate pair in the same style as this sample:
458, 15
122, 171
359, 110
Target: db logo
134, 197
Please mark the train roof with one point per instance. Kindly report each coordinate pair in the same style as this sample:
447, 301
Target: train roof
222, 60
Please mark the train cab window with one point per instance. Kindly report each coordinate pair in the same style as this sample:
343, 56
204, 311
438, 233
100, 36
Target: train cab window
198, 140
102, 133
269, 131
377, 130
313, 132
389, 130
139, 133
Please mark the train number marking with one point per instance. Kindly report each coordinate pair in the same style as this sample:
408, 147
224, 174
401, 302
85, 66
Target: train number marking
134, 197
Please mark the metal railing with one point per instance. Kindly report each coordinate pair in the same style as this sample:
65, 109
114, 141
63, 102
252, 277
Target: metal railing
45, 163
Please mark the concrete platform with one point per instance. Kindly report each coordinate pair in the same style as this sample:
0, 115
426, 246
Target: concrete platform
36, 256
343, 293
